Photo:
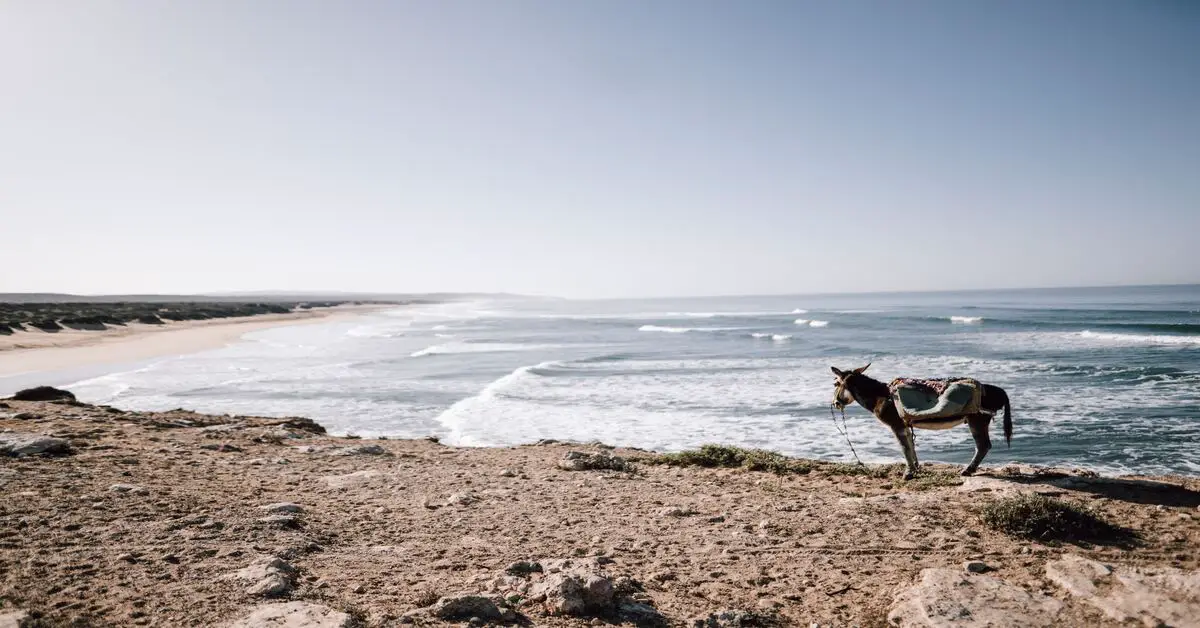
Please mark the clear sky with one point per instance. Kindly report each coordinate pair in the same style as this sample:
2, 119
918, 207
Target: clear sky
597, 148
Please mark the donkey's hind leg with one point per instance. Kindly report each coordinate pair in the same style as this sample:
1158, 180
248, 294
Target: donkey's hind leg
983, 443
906, 444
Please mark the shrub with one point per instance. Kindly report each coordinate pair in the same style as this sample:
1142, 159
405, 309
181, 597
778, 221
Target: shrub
1037, 517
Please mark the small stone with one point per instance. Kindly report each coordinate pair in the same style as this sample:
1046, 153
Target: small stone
171, 558
716, 519
975, 566
360, 589
273, 585
523, 568
282, 521
463, 606
20, 444
282, 508
462, 499
508, 473
128, 488
127, 557
676, 511
226, 447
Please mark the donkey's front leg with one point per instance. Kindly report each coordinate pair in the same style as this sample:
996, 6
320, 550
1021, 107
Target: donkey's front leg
906, 444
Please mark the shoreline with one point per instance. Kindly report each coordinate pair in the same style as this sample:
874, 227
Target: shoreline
31, 352
207, 520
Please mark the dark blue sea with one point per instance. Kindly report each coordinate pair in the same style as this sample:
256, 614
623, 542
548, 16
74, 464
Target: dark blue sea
1104, 378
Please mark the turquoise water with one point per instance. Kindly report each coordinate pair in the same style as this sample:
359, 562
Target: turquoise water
1101, 378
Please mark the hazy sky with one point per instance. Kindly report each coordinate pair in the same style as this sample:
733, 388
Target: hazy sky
597, 147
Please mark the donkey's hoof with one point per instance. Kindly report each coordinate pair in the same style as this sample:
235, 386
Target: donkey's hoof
909, 475
967, 471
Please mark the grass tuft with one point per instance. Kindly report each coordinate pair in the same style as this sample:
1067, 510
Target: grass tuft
1040, 518
724, 456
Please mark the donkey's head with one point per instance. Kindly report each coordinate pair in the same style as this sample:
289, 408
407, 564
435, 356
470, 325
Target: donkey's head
845, 384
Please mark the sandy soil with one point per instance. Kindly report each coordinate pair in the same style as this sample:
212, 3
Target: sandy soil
384, 533
36, 351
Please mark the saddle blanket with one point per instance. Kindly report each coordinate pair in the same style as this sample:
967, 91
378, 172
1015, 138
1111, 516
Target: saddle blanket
924, 399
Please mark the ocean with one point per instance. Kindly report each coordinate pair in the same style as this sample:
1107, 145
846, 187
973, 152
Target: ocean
1100, 378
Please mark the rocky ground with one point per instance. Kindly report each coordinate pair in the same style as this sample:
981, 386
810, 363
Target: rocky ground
180, 519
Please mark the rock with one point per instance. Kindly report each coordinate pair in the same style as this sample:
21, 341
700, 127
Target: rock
370, 450
221, 447
640, 614
15, 619
294, 615
1163, 596
523, 568
27, 416
282, 521
462, 499
274, 585
583, 461
508, 473
574, 588
663, 576
351, 479
301, 424
44, 393
947, 597
264, 567
271, 577
20, 444
728, 619
282, 508
464, 606
128, 488
676, 511
975, 566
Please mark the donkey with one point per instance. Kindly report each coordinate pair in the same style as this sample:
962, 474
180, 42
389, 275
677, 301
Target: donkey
874, 395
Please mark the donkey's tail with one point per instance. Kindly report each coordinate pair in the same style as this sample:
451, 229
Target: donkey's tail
1007, 420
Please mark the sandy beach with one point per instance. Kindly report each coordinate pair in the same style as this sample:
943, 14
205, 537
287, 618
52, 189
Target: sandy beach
184, 519
37, 351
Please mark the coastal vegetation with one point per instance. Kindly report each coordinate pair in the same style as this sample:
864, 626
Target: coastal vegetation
53, 317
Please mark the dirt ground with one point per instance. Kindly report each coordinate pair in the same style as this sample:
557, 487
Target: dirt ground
143, 523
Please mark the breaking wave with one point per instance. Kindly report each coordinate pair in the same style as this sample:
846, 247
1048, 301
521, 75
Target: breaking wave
1140, 339
966, 320
472, 347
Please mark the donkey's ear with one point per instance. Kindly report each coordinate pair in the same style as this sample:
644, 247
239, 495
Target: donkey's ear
837, 371
860, 370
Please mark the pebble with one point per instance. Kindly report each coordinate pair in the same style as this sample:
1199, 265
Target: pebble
283, 521
282, 507
975, 566
128, 488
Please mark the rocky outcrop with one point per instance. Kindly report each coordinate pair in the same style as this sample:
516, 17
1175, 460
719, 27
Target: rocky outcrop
950, 597
15, 619
1164, 596
20, 444
44, 393
294, 615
